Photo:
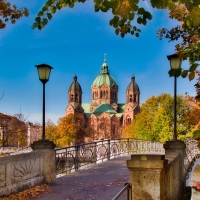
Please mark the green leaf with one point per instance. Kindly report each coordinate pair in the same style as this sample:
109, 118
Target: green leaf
196, 134
141, 11
122, 35
71, 5
44, 8
132, 32
188, 21
134, 7
171, 72
49, 15
53, 9
115, 25
117, 31
191, 76
37, 19
134, 1
193, 67
131, 16
139, 20
40, 14
45, 21
144, 21
188, 5
184, 73
137, 35
35, 25
121, 23
42, 24
178, 72
96, 7
116, 19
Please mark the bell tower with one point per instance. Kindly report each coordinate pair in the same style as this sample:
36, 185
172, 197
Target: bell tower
133, 93
74, 98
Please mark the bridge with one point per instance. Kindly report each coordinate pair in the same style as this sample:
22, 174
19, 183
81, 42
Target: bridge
75, 161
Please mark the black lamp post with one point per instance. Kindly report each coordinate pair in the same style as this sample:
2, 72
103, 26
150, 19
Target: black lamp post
175, 64
44, 73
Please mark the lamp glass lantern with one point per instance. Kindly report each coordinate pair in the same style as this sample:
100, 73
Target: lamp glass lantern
44, 72
175, 64
175, 61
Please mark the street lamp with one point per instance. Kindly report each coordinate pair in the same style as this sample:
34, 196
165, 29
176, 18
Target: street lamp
44, 73
175, 64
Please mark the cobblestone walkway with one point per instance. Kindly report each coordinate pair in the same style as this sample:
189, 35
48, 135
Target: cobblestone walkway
101, 182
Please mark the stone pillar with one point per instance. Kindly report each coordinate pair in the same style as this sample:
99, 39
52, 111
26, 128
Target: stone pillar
178, 147
49, 164
147, 176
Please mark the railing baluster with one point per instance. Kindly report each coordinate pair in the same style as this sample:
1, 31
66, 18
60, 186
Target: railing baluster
80, 156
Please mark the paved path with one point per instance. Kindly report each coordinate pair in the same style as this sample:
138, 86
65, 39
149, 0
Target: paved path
101, 182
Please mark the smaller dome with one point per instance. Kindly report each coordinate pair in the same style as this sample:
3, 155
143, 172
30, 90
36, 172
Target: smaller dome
75, 85
133, 85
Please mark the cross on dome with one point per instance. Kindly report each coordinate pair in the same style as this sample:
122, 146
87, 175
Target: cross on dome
104, 56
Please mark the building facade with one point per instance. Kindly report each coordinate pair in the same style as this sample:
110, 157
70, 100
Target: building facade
105, 116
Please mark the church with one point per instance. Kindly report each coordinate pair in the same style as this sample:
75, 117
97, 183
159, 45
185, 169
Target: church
105, 117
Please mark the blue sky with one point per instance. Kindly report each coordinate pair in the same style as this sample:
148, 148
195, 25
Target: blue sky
75, 41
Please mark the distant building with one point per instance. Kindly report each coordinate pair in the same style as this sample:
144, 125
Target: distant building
34, 132
105, 116
13, 132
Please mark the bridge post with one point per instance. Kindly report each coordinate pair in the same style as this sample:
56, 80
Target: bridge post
108, 150
147, 176
49, 164
77, 159
178, 147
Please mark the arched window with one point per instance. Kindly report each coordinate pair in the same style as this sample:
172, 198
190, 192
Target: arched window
76, 98
72, 98
101, 94
96, 95
134, 97
128, 120
93, 95
106, 94
131, 99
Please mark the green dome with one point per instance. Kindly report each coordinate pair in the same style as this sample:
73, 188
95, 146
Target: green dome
104, 77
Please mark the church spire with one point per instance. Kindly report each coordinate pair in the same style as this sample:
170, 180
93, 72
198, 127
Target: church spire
104, 68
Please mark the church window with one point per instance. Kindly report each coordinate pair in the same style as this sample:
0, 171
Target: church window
128, 120
134, 97
96, 95
131, 99
106, 94
93, 95
72, 97
76, 98
101, 94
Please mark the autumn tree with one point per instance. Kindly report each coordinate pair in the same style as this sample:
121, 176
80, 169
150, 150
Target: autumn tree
70, 130
128, 16
155, 121
13, 131
52, 134
10, 13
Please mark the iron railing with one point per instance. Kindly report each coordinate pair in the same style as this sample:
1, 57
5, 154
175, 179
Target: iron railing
127, 188
191, 154
74, 158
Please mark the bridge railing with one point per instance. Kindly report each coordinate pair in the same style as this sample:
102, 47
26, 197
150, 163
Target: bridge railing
81, 156
191, 154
